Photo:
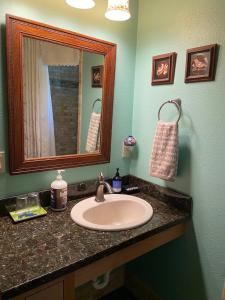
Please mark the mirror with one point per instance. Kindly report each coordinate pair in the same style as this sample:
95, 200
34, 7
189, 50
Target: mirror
62, 94
60, 97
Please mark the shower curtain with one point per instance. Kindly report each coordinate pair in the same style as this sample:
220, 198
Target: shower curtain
39, 138
39, 134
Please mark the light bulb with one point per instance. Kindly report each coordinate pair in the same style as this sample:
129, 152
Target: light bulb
82, 4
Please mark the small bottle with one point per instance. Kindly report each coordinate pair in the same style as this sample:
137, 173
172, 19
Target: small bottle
59, 193
117, 182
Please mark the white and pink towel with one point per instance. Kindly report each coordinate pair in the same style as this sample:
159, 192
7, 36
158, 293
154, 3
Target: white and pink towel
93, 138
164, 158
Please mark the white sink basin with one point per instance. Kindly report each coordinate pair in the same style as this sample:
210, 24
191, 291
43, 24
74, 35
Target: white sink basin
118, 212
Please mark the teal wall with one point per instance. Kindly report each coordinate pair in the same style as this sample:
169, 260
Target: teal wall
90, 94
91, 22
192, 268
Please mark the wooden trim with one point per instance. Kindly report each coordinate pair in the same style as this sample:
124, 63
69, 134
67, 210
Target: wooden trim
53, 28
69, 287
16, 29
129, 253
37, 289
223, 292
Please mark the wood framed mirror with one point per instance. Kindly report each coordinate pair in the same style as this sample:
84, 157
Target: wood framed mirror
60, 97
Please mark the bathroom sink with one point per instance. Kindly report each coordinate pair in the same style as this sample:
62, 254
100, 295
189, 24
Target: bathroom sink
117, 212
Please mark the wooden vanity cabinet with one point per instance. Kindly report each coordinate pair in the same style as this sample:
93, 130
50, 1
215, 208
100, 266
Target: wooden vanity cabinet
60, 289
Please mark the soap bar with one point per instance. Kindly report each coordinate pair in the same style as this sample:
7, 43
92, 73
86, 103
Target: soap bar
131, 189
26, 213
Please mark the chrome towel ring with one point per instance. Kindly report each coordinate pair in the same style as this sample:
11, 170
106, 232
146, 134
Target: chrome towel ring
177, 103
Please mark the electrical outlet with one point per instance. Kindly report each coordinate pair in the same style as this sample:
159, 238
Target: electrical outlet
2, 161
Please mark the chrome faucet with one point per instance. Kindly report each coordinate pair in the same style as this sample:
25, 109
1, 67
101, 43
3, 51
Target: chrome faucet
100, 189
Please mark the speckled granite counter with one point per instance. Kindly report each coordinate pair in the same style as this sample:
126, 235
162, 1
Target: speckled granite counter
42, 249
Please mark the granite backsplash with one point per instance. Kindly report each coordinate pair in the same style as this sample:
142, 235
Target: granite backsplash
88, 188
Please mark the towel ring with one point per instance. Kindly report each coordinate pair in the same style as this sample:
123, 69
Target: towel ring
93, 105
176, 103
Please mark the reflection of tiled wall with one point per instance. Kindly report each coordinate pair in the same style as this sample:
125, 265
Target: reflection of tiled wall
64, 83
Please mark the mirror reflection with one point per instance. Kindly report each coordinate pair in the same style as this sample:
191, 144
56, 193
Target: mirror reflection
62, 99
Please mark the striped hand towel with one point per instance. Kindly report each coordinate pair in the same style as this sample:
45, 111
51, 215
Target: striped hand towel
93, 133
164, 156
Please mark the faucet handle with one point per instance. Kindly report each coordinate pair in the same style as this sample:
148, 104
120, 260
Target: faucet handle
101, 177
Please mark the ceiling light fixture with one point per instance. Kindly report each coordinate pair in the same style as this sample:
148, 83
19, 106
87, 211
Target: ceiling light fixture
82, 4
118, 10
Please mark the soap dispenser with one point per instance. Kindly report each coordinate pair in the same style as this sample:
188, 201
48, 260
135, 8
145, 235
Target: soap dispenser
59, 193
117, 182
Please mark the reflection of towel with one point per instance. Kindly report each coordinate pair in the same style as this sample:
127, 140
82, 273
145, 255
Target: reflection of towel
93, 132
165, 151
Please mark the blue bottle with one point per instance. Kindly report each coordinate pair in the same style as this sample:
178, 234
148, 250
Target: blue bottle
117, 182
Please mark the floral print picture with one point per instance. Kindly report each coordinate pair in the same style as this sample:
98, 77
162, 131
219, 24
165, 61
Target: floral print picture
97, 76
200, 64
163, 68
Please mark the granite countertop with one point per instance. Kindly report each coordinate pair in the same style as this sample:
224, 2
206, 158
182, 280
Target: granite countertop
42, 249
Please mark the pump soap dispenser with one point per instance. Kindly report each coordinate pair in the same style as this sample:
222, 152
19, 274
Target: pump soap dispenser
117, 182
59, 193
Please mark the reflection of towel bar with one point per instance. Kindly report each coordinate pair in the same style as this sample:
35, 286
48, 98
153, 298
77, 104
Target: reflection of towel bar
176, 102
93, 105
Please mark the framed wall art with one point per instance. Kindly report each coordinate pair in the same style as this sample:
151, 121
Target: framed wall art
200, 64
163, 68
97, 76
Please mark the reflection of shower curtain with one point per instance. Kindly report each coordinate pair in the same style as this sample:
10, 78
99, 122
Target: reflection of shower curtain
38, 116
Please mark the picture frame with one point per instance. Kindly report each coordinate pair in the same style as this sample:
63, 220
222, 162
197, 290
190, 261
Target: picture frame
163, 68
200, 63
97, 76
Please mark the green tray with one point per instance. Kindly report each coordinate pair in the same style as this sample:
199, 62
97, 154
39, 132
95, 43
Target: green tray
27, 213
